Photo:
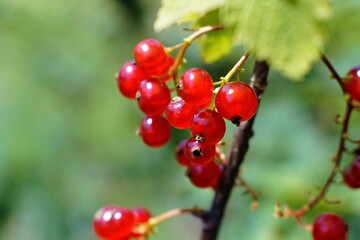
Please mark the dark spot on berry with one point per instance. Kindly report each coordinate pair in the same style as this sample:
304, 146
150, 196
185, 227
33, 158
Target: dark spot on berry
179, 86
175, 99
196, 151
236, 120
138, 96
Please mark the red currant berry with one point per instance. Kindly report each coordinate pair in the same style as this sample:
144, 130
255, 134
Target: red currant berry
129, 78
204, 176
208, 124
349, 179
352, 83
237, 102
142, 215
149, 53
112, 222
329, 226
155, 131
180, 153
199, 152
195, 87
153, 96
355, 168
179, 113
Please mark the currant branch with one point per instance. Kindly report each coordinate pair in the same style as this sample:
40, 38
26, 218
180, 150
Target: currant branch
334, 73
240, 145
298, 214
337, 160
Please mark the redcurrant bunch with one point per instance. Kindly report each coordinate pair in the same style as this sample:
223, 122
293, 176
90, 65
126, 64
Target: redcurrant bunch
112, 222
144, 79
191, 107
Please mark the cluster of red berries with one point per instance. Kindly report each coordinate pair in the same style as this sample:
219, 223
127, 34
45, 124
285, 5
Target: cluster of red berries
145, 79
115, 223
352, 83
351, 174
329, 226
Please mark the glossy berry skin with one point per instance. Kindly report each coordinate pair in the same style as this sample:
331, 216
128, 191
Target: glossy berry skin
352, 83
199, 152
179, 113
142, 215
162, 70
355, 168
349, 179
208, 124
180, 153
204, 176
149, 53
195, 87
112, 222
155, 131
237, 102
128, 79
153, 96
329, 226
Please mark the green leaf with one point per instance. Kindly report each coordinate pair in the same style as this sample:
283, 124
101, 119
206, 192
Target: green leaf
288, 34
215, 45
176, 11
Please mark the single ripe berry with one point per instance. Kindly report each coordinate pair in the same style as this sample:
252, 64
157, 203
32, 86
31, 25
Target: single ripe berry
198, 151
112, 222
208, 124
153, 96
195, 87
128, 79
355, 168
149, 53
237, 102
349, 179
329, 226
179, 113
203, 176
180, 153
155, 131
352, 83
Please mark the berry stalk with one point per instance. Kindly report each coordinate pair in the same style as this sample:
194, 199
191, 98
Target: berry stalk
236, 67
186, 43
240, 145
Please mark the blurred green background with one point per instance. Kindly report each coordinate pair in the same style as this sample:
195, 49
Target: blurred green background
68, 143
